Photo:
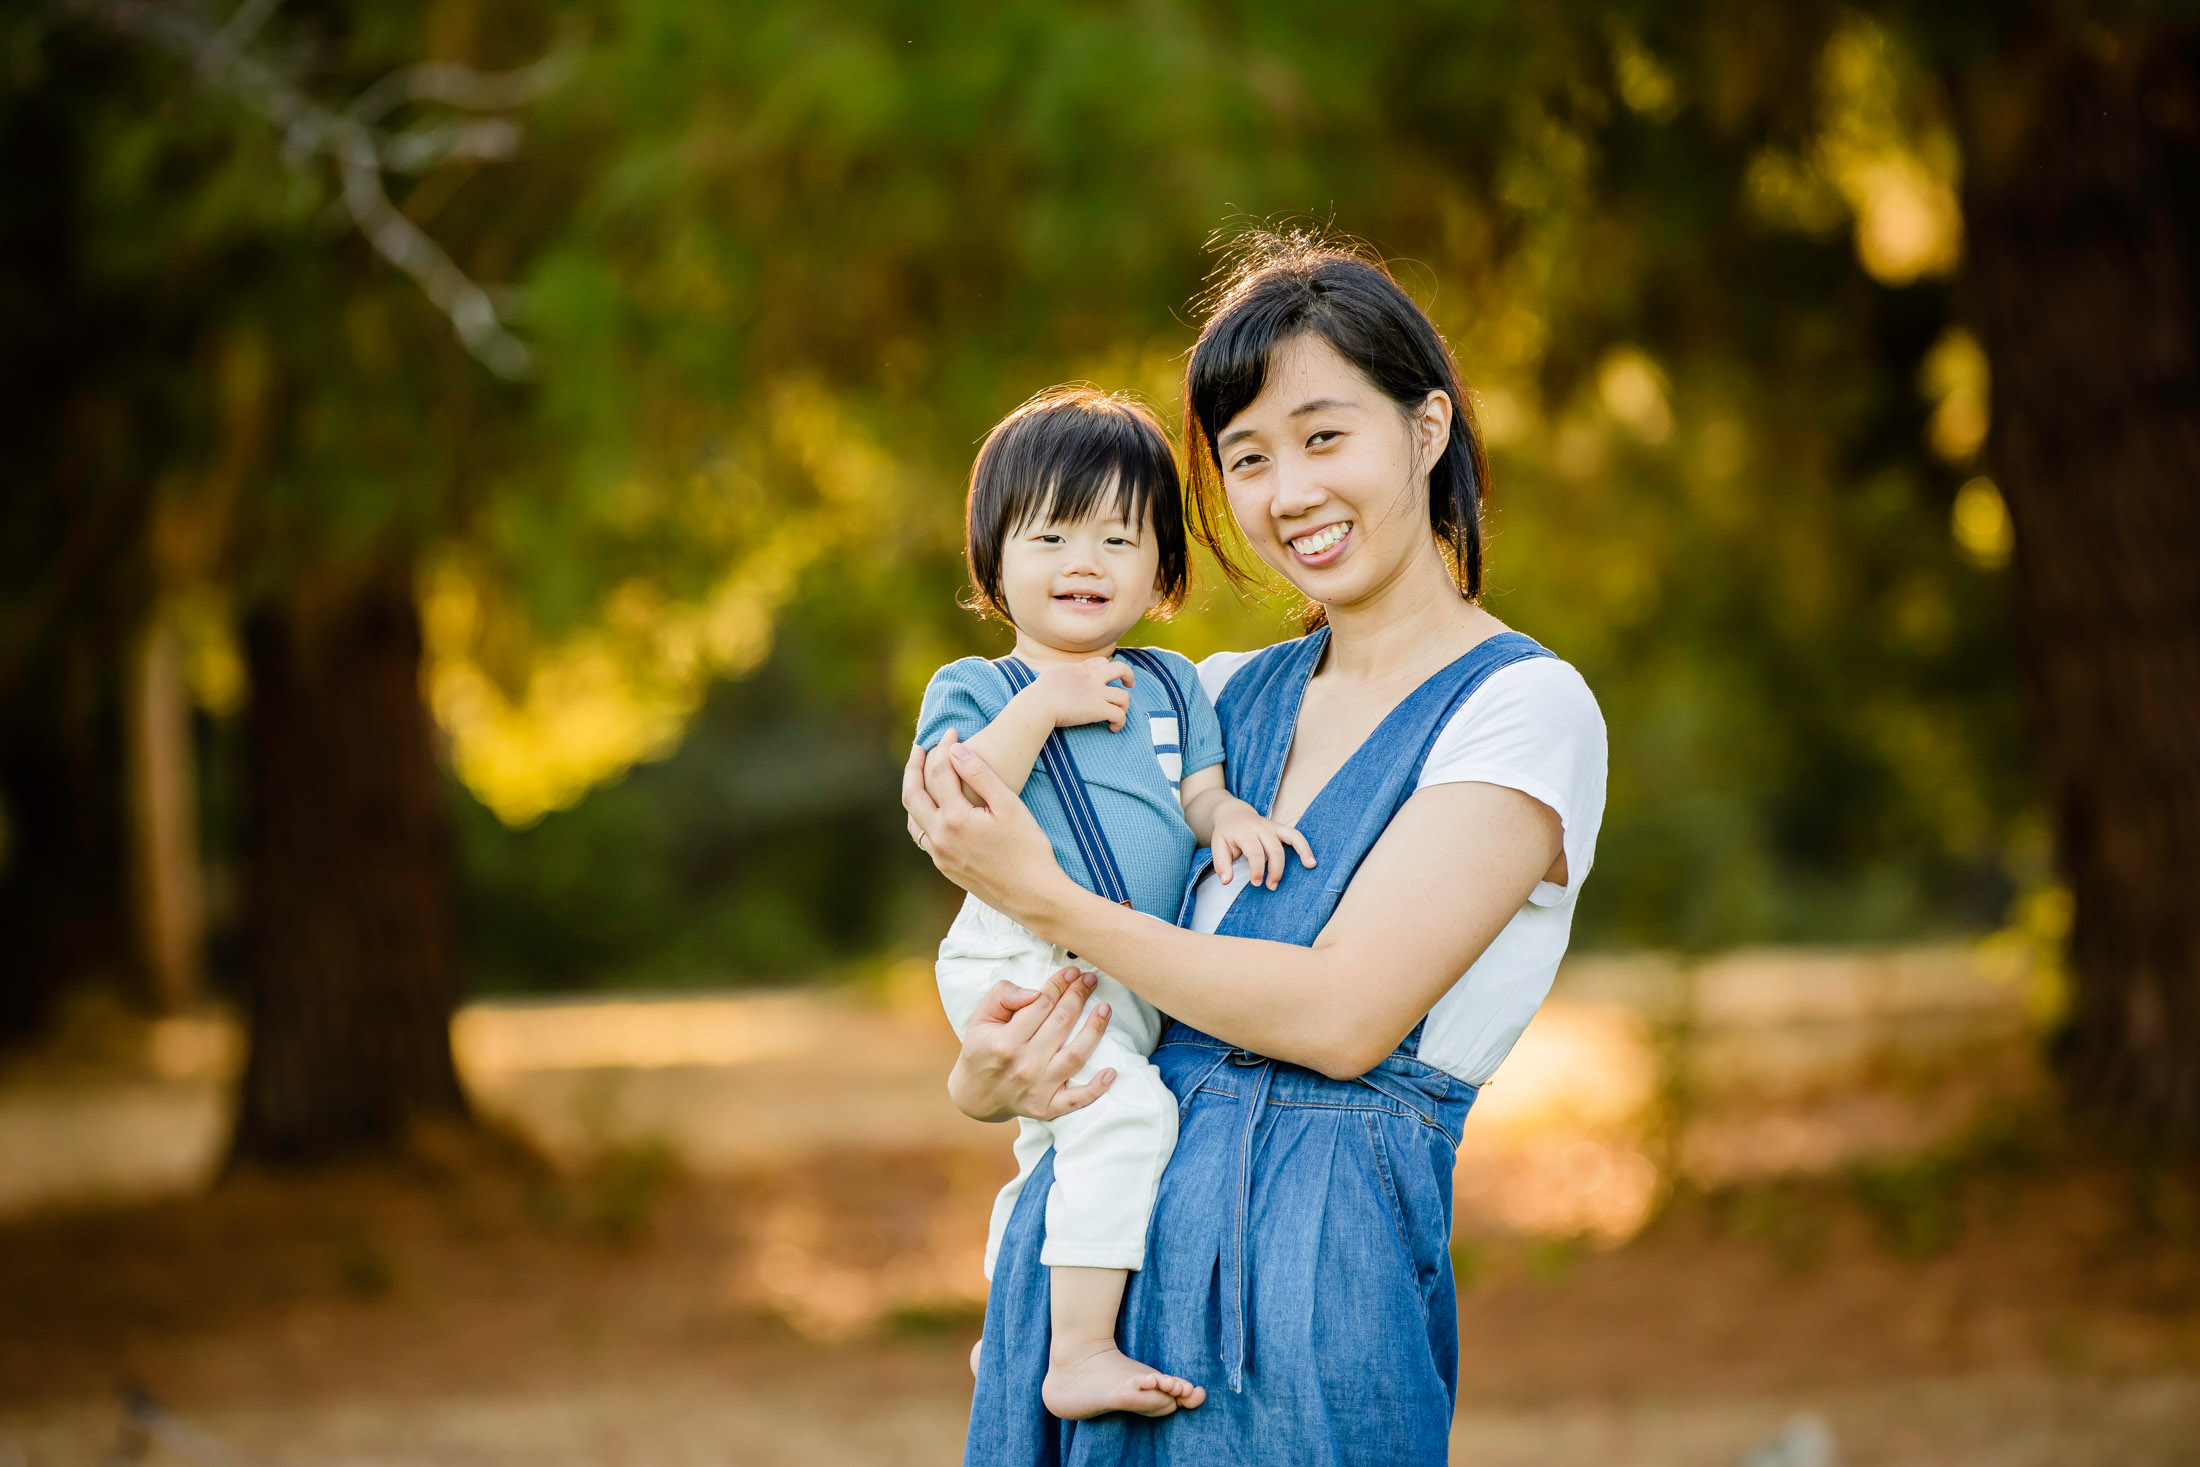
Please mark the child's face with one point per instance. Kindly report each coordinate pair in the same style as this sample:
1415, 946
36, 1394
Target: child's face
1078, 586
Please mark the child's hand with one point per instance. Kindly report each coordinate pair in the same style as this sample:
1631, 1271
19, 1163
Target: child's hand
1240, 830
1097, 690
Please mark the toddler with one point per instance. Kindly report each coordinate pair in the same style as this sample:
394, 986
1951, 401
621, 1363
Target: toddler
1075, 530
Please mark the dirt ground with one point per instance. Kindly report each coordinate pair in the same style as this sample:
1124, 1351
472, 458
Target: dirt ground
467, 1307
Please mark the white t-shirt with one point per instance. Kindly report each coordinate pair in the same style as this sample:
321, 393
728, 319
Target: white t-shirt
1532, 726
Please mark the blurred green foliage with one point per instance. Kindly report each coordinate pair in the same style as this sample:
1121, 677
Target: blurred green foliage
782, 265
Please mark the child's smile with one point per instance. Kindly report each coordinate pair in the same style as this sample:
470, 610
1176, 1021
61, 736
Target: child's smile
1075, 587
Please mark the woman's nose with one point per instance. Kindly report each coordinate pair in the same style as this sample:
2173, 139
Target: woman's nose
1296, 492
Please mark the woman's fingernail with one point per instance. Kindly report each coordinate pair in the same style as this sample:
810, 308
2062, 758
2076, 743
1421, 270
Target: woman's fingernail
960, 754
1101, 1010
1088, 979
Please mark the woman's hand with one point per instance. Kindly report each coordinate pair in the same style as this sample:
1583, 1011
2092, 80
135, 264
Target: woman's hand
992, 849
1019, 1054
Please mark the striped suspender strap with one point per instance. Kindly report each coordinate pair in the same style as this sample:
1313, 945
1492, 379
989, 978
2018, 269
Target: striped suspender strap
1150, 662
1084, 822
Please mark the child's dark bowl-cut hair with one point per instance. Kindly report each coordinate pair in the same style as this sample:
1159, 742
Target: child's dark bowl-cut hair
1068, 453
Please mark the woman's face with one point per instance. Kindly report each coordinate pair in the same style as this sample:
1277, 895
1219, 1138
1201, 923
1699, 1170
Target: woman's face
1328, 480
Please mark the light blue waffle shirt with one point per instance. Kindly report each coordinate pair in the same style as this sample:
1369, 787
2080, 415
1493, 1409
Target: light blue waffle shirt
1133, 775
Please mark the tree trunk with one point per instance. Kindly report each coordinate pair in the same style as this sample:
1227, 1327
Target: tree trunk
64, 906
164, 821
2083, 208
350, 968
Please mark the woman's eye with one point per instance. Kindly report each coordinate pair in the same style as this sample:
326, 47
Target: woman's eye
1318, 439
1250, 460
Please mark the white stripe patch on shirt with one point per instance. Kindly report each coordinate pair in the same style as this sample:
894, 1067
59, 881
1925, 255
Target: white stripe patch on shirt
1168, 749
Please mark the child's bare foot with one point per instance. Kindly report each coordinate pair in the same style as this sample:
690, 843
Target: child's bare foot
1091, 1380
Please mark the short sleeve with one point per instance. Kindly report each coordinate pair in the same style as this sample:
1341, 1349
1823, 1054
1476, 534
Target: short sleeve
1216, 669
964, 696
1534, 727
1203, 740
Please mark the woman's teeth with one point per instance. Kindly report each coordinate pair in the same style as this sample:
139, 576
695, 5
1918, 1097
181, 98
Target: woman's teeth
1321, 540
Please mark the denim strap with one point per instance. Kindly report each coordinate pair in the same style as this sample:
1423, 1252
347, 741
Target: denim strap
1233, 1239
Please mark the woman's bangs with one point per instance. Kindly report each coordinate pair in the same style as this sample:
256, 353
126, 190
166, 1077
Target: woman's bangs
1230, 367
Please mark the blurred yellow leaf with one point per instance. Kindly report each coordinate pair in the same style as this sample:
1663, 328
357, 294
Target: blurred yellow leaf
1980, 522
1955, 379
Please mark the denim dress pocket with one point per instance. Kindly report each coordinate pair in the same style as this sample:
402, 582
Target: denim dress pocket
1380, 1154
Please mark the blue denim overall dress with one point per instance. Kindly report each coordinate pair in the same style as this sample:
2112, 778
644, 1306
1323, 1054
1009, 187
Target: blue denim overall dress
1298, 1261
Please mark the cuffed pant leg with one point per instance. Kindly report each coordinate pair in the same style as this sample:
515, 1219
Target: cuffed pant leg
1107, 1165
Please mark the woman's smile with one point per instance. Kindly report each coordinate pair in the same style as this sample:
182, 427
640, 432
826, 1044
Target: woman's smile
1324, 546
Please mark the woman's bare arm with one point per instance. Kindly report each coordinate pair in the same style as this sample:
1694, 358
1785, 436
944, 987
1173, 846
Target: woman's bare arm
1449, 873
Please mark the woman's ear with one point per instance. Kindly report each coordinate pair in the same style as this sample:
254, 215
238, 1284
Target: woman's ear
1432, 426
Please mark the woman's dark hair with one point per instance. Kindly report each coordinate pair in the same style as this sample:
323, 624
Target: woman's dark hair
1065, 454
1285, 286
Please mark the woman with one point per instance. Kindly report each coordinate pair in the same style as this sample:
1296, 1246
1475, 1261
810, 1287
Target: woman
1330, 1031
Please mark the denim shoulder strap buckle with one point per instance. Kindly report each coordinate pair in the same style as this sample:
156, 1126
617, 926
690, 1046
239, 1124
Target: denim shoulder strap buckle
1069, 782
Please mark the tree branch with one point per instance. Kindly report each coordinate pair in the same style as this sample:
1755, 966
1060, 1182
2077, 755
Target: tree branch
362, 151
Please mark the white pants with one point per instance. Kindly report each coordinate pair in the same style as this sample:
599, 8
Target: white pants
1108, 1156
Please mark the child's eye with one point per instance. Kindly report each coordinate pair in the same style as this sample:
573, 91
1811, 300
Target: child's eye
1048, 539
1119, 540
